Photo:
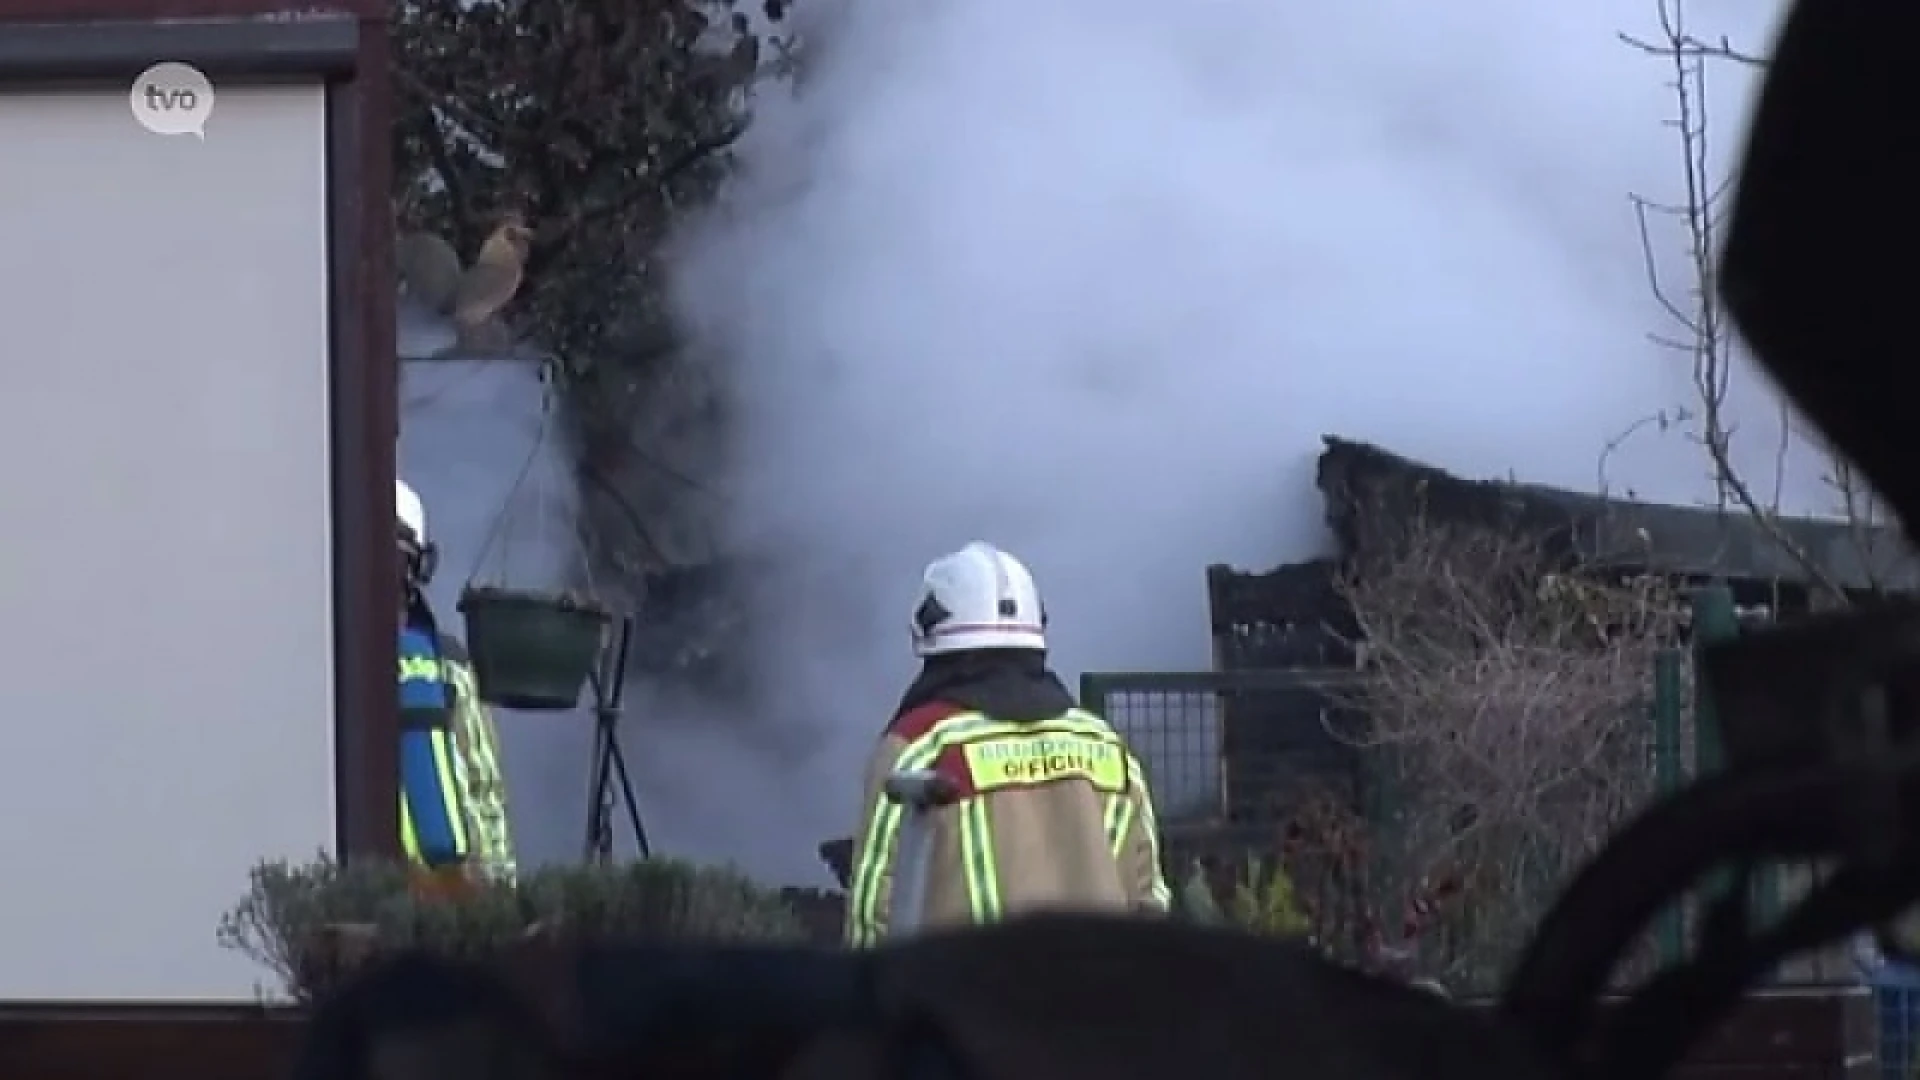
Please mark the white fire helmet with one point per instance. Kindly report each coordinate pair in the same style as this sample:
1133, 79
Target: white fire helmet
978, 598
411, 512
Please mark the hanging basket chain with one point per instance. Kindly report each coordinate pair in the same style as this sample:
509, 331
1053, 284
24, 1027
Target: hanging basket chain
505, 525
532, 650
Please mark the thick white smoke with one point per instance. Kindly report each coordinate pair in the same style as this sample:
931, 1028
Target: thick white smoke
1090, 280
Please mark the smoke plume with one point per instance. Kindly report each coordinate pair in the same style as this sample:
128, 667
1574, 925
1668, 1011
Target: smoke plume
1091, 280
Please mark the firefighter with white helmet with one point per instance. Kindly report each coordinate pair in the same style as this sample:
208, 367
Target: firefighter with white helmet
411, 514
453, 813
1051, 809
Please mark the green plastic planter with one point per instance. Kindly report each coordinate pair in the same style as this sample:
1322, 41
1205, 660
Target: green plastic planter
531, 650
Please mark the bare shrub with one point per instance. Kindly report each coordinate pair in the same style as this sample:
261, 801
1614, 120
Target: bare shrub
1505, 696
1363, 907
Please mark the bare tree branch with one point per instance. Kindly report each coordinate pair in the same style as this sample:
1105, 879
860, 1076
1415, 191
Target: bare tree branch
1660, 420
1687, 45
1698, 312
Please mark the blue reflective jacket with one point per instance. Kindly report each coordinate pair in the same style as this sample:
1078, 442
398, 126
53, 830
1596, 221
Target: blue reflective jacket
433, 816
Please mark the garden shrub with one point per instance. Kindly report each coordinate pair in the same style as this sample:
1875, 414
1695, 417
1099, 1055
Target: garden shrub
289, 909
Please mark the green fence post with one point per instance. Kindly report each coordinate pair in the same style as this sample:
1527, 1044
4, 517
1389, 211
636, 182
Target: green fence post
1714, 621
1670, 932
1093, 693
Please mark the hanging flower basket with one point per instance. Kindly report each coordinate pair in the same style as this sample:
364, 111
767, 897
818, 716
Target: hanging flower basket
531, 650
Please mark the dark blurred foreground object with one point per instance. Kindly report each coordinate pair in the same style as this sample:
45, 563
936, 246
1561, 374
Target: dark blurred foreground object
1052, 998
1821, 273
1822, 263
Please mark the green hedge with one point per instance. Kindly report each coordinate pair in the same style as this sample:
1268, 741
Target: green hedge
289, 908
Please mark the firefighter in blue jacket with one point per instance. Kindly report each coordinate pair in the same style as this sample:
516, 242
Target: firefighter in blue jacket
434, 819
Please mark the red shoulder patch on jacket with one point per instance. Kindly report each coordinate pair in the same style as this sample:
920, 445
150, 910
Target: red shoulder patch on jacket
952, 764
920, 719
916, 722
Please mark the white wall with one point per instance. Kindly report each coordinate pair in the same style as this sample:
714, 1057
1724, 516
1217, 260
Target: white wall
166, 673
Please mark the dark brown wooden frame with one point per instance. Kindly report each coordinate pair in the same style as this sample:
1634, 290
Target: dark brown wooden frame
343, 43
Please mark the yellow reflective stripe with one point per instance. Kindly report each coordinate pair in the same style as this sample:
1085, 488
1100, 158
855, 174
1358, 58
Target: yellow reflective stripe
1080, 723
446, 771
864, 906
1119, 818
966, 727
977, 860
486, 788
1162, 895
409, 843
982, 729
425, 668
409, 838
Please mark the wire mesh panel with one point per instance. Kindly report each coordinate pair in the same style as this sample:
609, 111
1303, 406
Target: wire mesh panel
1227, 746
1896, 1003
1176, 736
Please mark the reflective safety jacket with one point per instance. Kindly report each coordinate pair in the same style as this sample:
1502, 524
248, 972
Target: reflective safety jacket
483, 781
1051, 816
434, 824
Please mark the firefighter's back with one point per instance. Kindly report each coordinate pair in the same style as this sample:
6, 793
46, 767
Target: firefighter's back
1042, 822
1051, 811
